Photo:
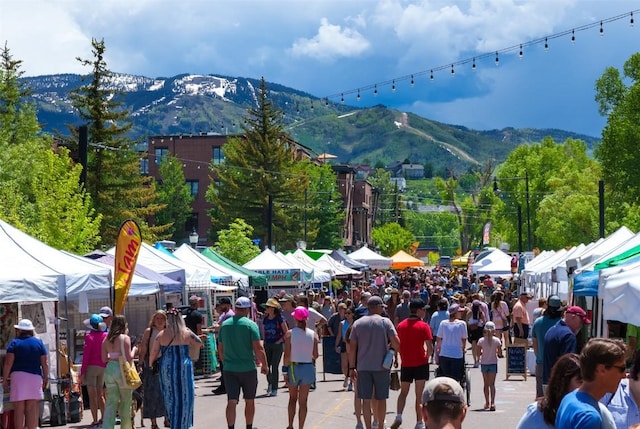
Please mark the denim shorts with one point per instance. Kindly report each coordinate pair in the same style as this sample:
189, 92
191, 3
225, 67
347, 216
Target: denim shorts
490, 368
302, 374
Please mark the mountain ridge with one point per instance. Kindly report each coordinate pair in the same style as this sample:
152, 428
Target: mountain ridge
216, 104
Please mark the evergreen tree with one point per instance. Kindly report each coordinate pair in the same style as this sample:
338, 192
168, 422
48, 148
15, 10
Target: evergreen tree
175, 196
114, 181
259, 169
40, 193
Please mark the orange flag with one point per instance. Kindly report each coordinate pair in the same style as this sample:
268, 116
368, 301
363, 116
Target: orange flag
127, 249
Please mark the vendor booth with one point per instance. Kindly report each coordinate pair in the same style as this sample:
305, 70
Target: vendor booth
374, 260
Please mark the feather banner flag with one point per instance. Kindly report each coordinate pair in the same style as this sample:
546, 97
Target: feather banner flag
127, 249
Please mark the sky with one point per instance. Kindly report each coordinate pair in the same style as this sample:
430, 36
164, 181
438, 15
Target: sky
332, 47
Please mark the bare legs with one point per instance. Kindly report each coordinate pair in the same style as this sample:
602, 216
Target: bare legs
298, 395
489, 379
96, 402
249, 411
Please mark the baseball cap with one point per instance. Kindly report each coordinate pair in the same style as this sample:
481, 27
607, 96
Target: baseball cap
300, 314
443, 389
578, 311
554, 302
105, 312
454, 308
489, 326
416, 304
225, 300
287, 297
375, 301
243, 302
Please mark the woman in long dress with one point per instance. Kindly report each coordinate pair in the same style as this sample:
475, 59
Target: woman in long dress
153, 403
176, 369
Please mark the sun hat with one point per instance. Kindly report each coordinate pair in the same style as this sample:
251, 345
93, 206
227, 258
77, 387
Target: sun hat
443, 389
105, 312
554, 302
271, 302
489, 326
94, 322
300, 314
243, 302
25, 325
578, 311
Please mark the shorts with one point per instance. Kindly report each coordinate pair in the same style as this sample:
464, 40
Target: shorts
234, 381
491, 368
475, 334
25, 386
368, 380
301, 374
410, 373
94, 376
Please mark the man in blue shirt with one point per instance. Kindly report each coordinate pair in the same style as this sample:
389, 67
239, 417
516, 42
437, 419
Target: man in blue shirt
551, 316
561, 339
622, 404
602, 366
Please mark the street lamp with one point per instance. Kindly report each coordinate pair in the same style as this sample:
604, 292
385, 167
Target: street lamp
193, 238
526, 180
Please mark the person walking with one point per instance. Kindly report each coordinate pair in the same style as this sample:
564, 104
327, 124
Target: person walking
93, 368
602, 365
116, 344
371, 336
475, 325
416, 346
450, 344
25, 374
561, 339
521, 318
275, 329
152, 402
226, 312
500, 317
240, 346
443, 404
541, 326
624, 403
300, 350
490, 349
171, 346
341, 345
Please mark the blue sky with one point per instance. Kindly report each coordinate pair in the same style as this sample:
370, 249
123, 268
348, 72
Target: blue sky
327, 47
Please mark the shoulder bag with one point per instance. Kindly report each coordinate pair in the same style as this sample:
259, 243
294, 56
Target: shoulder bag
130, 377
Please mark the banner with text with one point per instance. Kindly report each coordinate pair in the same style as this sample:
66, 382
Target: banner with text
127, 249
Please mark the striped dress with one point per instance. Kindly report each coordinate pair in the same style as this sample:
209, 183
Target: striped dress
176, 383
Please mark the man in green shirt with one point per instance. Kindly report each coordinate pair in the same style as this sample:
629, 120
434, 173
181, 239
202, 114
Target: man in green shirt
239, 347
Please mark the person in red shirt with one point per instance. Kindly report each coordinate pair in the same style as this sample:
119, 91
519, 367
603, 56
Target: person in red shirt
416, 345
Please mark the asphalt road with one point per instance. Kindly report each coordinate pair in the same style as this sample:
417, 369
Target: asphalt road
330, 406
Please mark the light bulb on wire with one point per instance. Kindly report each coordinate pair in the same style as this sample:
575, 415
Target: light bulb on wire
358, 96
521, 53
601, 29
473, 64
453, 72
342, 98
412, 82
497, 59
375, 90
573, 36
431, 77
393, 86
546, 44
631, 20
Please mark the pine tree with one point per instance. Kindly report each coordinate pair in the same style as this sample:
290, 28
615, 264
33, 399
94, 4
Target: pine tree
259, 167
114, 181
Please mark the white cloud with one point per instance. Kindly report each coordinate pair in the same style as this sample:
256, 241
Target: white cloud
331, 42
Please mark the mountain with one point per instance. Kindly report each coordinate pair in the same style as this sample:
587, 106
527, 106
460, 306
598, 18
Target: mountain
189, 104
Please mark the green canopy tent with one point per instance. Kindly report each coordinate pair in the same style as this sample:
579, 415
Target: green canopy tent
256, 280
631, 255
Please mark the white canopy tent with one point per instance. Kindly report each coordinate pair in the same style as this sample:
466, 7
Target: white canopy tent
496, 263
602, 247
338, 267
188, 254
279, 272
305, 263
374, 260
619, 288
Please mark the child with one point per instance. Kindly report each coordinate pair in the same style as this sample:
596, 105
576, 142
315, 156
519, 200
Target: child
490, 348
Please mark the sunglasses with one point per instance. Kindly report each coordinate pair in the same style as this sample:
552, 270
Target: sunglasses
620, 368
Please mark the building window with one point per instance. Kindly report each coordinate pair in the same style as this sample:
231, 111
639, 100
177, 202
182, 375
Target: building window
161, 153
218, 155
144, 166
193, 187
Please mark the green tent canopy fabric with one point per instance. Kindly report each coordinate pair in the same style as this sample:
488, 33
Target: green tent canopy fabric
256, 280
620, 259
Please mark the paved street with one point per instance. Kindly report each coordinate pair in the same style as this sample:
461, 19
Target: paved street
332, 407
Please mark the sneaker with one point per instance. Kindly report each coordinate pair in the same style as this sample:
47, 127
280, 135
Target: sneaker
396, 423
350, 387
345, 382
359, 426
313, 386
419, 425
274, 392
219, 391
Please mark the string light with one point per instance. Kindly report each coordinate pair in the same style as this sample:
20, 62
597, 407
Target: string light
601, 29
546, 44
431, 77
393, 86
573, 36
412, 82
358, 96
375, 90
497, 59
631, 20
342, 98
521, 53
453, 72
473, 65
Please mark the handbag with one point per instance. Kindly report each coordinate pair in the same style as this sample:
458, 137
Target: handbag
394, 383
130, 376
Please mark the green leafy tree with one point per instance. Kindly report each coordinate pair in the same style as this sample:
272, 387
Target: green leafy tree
175, 196
391, 238
40, 192
435, 229
259, 168
117, 188
388, 196
235, 242
618, 97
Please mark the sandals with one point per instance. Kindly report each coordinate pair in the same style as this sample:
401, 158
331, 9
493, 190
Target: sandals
492, 408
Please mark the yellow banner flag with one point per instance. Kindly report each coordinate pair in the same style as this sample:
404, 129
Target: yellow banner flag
414, 248
127, 249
